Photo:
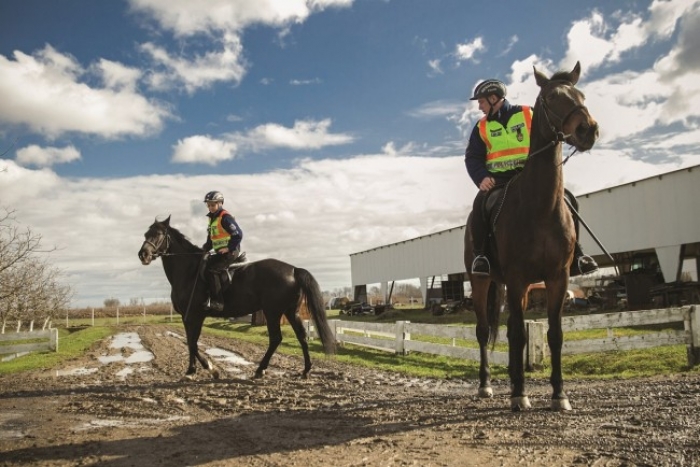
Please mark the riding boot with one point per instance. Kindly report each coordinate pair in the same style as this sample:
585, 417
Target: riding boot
582, 264
481, 265
213, 302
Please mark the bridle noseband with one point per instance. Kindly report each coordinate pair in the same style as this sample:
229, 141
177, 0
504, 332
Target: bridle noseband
165, 240
559, 135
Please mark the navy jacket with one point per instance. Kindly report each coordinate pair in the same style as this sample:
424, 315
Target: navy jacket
475, 155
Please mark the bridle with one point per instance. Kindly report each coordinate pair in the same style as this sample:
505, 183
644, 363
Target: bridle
165, 239
559, 135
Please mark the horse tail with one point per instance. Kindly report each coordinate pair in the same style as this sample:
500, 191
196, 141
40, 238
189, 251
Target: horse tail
314, 302
494, 306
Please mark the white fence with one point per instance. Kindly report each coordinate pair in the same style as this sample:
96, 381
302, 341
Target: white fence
41, 341
396, 337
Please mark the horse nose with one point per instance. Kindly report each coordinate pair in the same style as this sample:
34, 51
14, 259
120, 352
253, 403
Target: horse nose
587, 133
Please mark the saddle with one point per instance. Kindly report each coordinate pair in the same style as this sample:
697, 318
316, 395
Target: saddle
224, 273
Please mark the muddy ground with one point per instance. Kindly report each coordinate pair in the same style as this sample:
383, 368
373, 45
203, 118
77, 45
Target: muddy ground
126, 404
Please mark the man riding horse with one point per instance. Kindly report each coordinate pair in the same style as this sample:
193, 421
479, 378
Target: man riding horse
498, 148
224, 237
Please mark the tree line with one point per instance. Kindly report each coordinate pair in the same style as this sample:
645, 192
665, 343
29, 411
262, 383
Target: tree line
30, 287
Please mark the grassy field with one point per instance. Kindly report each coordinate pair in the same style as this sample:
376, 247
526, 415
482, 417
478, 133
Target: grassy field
630, 364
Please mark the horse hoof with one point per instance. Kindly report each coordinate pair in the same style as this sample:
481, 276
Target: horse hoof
559, 405
215, 374
259, 374
188, 378
520, 403
486, 393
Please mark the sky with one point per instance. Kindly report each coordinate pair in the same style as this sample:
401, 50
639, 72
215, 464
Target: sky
330, 126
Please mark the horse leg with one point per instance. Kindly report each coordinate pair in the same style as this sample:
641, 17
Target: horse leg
516, 348
275, 333
480, 288
193, 329
556, 292
300, 332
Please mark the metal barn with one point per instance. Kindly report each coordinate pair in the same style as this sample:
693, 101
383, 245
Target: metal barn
653, 222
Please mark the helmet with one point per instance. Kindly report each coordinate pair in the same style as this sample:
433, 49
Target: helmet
488, 87
214, 196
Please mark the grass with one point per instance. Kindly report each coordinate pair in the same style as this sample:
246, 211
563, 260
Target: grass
72, 343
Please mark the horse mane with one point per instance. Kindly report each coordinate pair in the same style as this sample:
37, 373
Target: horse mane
182, 240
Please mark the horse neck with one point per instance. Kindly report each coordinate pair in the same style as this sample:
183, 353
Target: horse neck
181, 267
543, 173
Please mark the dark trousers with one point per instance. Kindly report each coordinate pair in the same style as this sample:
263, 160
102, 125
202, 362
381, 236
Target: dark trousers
215, 269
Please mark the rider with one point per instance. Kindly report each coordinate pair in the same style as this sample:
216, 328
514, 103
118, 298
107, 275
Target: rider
224, 237
497, 150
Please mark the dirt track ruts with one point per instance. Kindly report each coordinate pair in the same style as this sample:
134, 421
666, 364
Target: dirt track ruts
341, 416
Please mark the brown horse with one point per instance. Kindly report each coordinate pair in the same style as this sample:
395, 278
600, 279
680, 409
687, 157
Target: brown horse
533, 237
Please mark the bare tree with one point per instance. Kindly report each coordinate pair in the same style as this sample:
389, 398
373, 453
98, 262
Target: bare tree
30, 289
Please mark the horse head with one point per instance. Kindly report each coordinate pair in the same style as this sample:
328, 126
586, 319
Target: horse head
156, 243
565, 115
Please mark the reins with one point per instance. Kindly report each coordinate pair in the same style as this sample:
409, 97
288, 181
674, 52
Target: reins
559, 136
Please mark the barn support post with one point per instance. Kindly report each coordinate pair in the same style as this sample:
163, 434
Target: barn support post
536, 345
693, 323
401, 336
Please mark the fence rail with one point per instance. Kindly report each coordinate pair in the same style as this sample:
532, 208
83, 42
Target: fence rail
41, 341
397, 337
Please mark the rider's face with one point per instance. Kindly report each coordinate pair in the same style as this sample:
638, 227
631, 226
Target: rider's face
213, 206
484, 105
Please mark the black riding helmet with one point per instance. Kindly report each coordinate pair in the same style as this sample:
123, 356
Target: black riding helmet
488, 87
214, 196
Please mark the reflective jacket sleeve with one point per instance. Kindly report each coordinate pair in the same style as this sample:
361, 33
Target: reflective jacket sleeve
475, 157
229, 223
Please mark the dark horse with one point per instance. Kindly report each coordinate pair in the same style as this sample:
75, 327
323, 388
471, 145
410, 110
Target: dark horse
534, 236
269, 285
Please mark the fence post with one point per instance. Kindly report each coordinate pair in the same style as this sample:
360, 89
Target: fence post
53, 345
93, 317
536, 345
694, 344
117, 315
401, 336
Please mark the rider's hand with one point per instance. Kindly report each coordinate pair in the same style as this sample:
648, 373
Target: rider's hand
223, 251
487, 183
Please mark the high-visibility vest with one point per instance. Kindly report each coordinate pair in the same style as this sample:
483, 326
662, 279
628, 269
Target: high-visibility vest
218, 235
507, 147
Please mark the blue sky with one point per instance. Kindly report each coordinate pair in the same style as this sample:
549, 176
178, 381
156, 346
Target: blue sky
332, 126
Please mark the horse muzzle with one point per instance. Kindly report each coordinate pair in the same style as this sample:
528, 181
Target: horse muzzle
585, 135
145, 256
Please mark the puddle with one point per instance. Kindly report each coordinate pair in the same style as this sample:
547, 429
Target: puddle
76, 371
111, 423
225, 356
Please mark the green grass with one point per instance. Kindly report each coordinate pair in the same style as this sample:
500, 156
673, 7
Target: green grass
72, 342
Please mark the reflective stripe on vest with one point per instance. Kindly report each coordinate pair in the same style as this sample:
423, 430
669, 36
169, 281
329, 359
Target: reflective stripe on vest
507, 148
219, 236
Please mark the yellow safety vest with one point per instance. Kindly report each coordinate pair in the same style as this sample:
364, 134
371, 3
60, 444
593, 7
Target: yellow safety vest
507, 147
219, 236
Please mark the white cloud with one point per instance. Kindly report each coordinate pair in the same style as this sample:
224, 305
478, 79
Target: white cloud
223, 21
203, 149
196, 72
46, 157
305, 82
467, 50
305, 134
48, 93
597, 42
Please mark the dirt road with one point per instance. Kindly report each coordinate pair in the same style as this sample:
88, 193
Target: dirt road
125, 404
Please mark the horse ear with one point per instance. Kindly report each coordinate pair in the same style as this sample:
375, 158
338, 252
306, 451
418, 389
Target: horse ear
540, 78
575, 73
167, 221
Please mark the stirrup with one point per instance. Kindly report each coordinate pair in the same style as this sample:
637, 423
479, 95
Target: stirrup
586, 265
485, 266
